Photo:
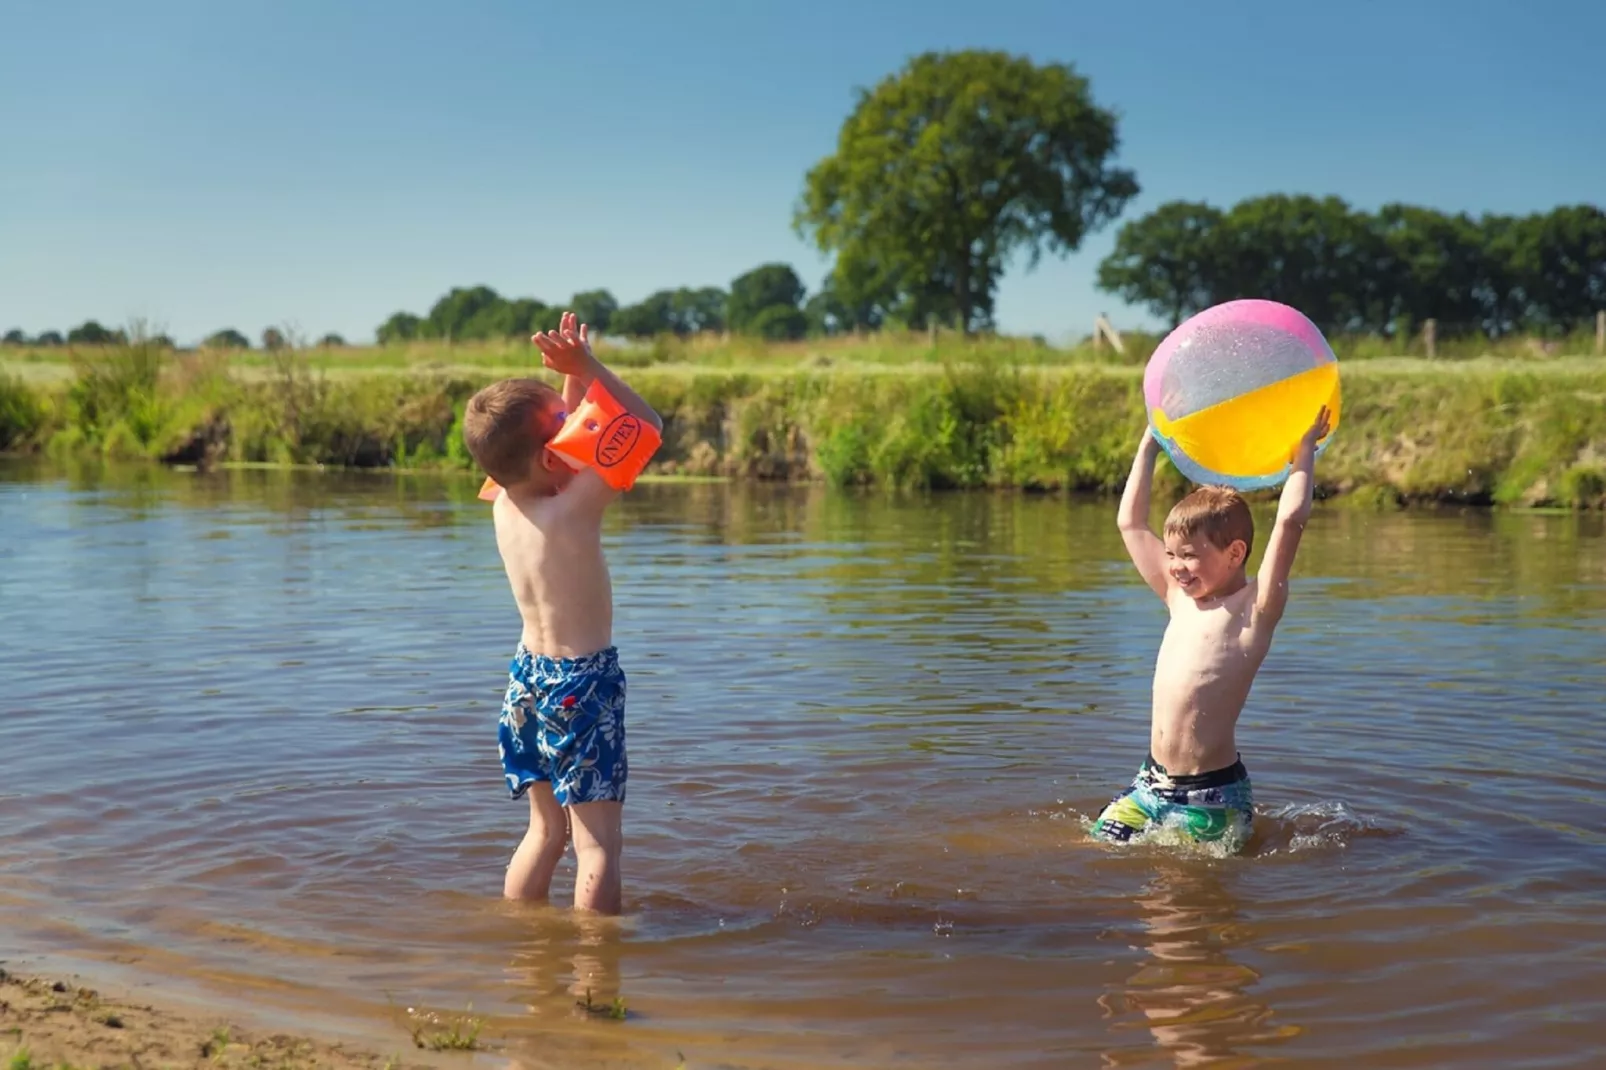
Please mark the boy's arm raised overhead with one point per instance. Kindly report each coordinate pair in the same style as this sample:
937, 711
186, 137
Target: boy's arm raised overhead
1142, 544
568, 352
1293, 510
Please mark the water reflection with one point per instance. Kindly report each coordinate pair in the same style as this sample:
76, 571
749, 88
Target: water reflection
1194, 994
566, 964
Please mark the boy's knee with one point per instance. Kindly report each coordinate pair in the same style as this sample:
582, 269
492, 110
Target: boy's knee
550, 835
551, 829
597, 855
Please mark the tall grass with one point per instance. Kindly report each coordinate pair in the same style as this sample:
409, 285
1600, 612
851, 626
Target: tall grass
975, 413
21, 413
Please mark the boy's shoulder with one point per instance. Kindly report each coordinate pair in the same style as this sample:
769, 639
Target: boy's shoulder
576, 506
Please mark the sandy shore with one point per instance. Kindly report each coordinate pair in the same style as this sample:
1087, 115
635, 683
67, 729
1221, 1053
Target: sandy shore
50, 1024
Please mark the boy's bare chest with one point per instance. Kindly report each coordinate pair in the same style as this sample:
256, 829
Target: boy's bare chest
1213, 643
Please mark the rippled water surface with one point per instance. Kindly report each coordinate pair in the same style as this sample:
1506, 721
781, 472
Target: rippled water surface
248, 749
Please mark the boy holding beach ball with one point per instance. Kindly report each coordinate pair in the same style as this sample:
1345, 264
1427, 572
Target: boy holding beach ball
1277, 368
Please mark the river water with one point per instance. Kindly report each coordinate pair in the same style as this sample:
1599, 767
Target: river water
248, 753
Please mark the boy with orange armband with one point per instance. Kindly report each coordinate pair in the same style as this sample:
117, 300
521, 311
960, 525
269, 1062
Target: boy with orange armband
554, 464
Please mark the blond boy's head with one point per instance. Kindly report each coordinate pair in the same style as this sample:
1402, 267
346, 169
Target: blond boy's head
507, 425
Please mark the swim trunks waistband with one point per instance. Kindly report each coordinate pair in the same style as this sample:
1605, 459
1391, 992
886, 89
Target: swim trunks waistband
1216, 778
596, 661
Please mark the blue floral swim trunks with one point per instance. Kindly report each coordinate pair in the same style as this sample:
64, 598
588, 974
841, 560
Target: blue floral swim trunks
563, 721
1207, 806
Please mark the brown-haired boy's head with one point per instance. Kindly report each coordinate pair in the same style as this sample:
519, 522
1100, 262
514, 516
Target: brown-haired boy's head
506, 428
1208, 536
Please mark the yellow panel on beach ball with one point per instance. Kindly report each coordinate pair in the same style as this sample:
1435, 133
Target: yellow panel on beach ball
1250, 435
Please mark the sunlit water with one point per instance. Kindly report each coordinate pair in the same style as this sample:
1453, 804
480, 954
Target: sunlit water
248, 748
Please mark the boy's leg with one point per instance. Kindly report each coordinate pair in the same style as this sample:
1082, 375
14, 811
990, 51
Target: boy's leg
529, 875
598, 843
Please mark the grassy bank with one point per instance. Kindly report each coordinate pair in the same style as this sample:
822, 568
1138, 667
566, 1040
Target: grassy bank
895, 412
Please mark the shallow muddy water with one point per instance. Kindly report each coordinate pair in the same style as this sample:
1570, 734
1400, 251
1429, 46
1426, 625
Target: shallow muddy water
248, 748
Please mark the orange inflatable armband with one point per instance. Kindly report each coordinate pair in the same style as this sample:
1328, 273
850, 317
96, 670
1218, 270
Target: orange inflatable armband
600, 434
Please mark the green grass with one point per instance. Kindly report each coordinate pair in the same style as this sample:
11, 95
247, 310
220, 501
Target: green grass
881, 350
215, 1045
615, 1010
457, 1033
892, 411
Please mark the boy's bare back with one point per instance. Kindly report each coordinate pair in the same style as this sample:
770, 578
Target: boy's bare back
551, 548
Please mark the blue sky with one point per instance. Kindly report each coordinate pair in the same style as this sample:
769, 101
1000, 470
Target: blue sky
325, 163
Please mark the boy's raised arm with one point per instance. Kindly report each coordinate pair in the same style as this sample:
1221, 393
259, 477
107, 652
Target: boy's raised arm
1293, 510
568, 351
1142, 544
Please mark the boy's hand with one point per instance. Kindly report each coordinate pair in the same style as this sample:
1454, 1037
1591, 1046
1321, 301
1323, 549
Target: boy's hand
567, 350
1148, 445
1318, 431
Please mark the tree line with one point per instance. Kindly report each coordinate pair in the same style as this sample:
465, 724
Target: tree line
1355, 272
766, 302
92, 333
962, 164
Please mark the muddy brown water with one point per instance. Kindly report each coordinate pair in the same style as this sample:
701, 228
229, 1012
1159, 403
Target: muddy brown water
248, 752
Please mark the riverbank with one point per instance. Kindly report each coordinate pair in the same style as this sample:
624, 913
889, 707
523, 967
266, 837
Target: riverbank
1501, 431
51, 1024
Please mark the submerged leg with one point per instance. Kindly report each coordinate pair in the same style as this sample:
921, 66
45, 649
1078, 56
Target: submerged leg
598, 844
529, 874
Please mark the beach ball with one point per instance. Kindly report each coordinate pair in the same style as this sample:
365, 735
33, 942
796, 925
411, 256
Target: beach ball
1232, 390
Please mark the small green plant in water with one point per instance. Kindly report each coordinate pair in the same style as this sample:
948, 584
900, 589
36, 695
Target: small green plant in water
21, 1059
461, 1033
615, 1010
214, 1045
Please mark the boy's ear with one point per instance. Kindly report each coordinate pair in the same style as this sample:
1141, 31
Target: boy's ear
1237, 552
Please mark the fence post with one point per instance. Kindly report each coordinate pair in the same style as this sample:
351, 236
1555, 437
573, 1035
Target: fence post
1600, 333
1430, 335
1103, 330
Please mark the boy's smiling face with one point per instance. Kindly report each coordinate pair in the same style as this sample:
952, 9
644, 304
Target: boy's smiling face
1200, 568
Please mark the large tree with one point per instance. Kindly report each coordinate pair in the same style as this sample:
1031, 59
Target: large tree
1558, 261
684, 311
594, 308
1437, 267
754, 294
91, 333
401, 327
227, 338
951, 166
1168, 261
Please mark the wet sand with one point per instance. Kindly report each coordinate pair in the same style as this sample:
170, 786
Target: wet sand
56, 1022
